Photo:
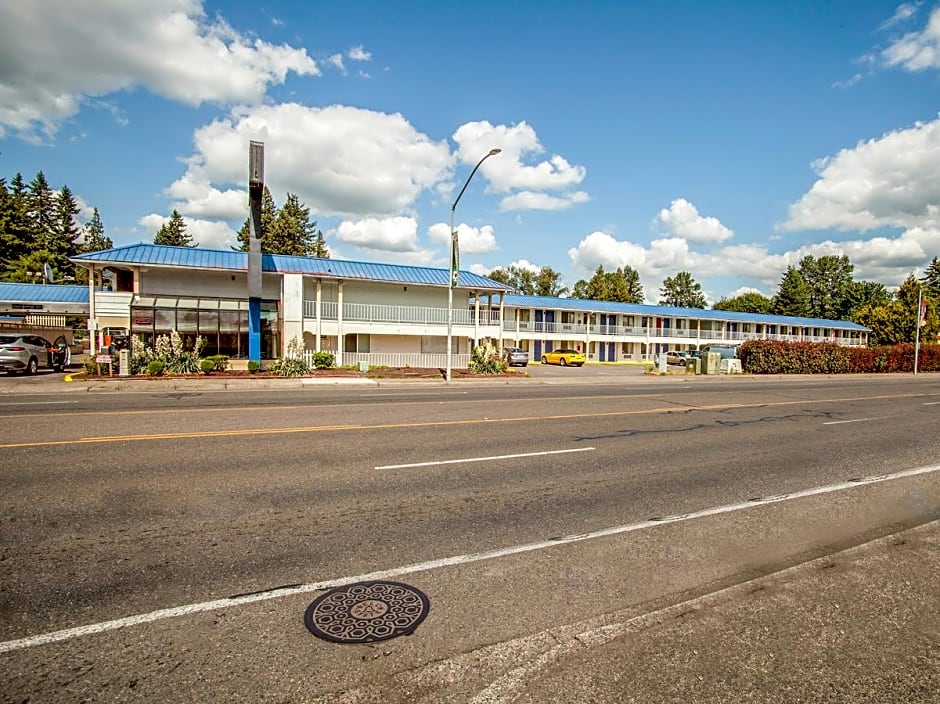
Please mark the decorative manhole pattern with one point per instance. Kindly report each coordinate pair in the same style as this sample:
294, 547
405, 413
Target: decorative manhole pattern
366, 612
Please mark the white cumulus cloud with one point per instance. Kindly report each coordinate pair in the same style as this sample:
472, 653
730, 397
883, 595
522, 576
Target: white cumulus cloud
339, 160
683, 220
509, 172
397, 234
57, 54
472, 240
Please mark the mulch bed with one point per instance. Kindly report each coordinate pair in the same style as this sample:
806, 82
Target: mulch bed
373, 373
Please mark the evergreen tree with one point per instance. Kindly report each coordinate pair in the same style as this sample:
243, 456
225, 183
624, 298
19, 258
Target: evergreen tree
17, 237
621, 286
931, 279
792, 296
173, 232
41, 214
319, 246
268, 216
521, 279
94, 241
67, 231
681, 291
750, 302
293, 233
828, 282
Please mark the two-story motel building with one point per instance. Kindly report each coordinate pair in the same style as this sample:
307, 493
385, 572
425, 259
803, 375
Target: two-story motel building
395, 315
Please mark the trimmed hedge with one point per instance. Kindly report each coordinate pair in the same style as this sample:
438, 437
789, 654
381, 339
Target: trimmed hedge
770, 357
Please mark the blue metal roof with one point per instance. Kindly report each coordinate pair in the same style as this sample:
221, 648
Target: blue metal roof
43, 293
198, 258
582, 305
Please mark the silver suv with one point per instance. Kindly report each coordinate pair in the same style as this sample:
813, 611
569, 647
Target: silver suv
26, 353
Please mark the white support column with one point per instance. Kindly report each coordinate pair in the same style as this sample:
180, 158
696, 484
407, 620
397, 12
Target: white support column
292, 298
92, 323
318, 326
501, 311
339, 324
476, 317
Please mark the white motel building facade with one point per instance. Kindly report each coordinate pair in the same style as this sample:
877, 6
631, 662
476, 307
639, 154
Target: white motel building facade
381, 314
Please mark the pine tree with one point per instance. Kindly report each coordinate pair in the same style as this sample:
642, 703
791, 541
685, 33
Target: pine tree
41, 213
792, 296
292, 233
173, 232
268, 216
319, 246
681, 291
16, 236
67, 231
931, 279
94, 241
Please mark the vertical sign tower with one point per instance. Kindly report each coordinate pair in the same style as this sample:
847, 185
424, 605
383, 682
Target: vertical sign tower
255, 191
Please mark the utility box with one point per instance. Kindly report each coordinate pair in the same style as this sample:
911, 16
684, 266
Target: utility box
693, 365
364, 366
731, 366
710, 362
124, 363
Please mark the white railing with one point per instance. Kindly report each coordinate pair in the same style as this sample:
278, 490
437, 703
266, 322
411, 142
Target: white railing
399, 359
413, 315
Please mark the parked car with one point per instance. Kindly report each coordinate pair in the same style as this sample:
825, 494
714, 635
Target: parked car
515, 357
565, 357
27, 353
675, 357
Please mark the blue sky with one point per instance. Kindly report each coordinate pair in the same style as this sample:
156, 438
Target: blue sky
727, 139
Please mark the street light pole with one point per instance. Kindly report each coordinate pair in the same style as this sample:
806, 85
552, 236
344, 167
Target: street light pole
455, 261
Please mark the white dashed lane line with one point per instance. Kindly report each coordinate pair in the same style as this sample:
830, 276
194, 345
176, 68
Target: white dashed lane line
293, 590
485, 459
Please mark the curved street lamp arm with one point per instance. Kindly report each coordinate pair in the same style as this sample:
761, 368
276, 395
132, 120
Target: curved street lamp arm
492, 152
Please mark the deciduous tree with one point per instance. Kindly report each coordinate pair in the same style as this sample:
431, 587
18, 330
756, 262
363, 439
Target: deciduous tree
750, 302
622, 286
681, 291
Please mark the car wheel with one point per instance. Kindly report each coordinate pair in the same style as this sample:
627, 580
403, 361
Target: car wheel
564, 362
544, 361
32, 366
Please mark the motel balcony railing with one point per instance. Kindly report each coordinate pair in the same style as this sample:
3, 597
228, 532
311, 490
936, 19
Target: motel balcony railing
467, 317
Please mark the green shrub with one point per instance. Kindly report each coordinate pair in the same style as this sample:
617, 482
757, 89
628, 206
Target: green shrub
206, 366
253, 365
155, 367
323, 360
219, 362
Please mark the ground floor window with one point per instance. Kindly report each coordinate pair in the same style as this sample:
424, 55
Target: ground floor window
222, 323
355, 343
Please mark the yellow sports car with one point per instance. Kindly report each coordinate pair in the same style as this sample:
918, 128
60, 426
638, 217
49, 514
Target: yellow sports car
564, 357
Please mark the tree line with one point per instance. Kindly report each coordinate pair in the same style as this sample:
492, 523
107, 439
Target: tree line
818, 287
39, 228
40, 231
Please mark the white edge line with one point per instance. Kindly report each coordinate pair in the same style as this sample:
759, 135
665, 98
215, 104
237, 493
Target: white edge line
228, 602
485, 459
853, 420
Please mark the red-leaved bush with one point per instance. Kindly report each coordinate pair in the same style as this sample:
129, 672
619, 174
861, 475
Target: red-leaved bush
771, 357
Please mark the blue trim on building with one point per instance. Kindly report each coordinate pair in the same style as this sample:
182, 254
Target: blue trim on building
194, 257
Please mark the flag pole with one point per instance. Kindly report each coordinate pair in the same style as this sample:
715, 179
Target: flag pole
920, 321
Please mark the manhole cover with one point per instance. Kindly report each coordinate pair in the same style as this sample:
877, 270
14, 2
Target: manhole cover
366, 612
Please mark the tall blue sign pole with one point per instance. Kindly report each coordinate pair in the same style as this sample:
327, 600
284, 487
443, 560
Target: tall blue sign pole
255, 191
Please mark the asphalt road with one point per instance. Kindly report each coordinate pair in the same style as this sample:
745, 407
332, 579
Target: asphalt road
518, 508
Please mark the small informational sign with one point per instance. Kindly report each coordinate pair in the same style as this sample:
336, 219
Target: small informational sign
102, 359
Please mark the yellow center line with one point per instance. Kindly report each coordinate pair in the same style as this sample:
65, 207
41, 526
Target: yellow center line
438, 423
